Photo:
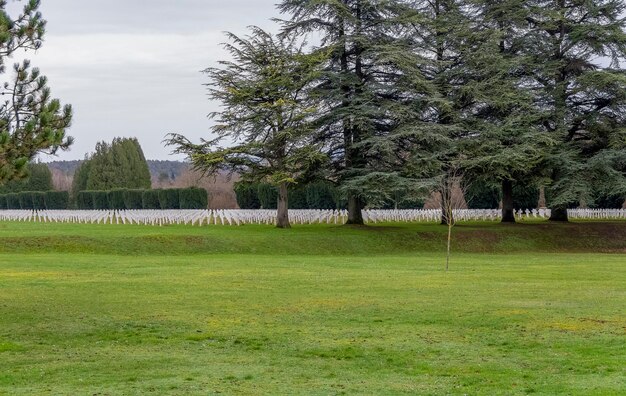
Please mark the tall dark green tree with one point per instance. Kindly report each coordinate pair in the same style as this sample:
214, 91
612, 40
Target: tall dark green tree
266, 112
31, 121
576, 48
79, 182
371, 93
503, 140
120, 164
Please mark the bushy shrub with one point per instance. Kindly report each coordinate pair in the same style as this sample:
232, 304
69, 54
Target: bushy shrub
133, 199
57, 200
193, 198
169, 199
3, 202
100, 200
150, 199
26, 200
84, 200
116, 199
13, 201
38, 199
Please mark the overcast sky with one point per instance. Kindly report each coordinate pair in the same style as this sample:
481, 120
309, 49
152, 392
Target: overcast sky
132, 68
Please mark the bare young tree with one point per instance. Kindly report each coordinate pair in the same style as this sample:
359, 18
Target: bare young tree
453, 189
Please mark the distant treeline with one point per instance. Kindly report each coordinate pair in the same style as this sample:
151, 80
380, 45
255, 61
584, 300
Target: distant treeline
173, 169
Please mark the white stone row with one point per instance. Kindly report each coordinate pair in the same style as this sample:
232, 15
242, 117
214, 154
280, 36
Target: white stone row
260, 216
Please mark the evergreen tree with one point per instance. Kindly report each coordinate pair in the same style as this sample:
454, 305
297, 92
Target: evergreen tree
102, 172
81, 175
484, 110
371, 91
576, 47
266, 112
120, 164
31, 121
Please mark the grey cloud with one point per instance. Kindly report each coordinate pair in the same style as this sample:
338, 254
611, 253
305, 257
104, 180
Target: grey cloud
132, 68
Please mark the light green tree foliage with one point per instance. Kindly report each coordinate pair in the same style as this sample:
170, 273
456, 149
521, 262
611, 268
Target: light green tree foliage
266, 112
576, 48
31, 121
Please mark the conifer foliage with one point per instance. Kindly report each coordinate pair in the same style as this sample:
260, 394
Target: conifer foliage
31, 120
120, 164
517, 95
266, 112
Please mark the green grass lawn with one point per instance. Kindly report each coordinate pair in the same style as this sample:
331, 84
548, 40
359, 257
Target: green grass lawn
111, 310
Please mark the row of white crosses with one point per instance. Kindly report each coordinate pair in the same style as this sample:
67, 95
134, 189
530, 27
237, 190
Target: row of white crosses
260, 216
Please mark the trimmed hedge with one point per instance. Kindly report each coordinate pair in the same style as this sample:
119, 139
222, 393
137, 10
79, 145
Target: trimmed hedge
169, 198
38, 199
100, 200
319, 195
150, 199
84, 200
116, 199
57, 200
247, 196
133, 199
193, 198
26, 200
13, 201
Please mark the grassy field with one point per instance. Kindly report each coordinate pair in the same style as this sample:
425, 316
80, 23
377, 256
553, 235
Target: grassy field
113, 310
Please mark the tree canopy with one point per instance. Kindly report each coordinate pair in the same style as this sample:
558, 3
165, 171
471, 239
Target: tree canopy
120, 164
516, 95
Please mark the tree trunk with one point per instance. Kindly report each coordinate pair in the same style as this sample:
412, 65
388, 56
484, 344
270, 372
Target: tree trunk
355, 207
508, 211
282, 216
559, 214
449, 244
444, 217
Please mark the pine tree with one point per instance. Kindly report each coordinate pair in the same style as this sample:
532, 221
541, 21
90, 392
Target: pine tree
503, 142
79, 182
371, 91
31, 121
102, 172
266, 112
120, 164
576, 48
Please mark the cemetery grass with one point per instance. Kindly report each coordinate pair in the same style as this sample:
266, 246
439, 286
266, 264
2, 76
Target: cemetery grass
525, 309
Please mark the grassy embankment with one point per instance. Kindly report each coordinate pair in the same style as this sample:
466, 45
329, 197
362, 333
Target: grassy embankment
530, 308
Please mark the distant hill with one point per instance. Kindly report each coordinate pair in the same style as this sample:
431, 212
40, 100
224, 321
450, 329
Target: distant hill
65, 167
173, 169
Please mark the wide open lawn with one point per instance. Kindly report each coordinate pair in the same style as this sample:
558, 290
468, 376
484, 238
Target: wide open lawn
76, 321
